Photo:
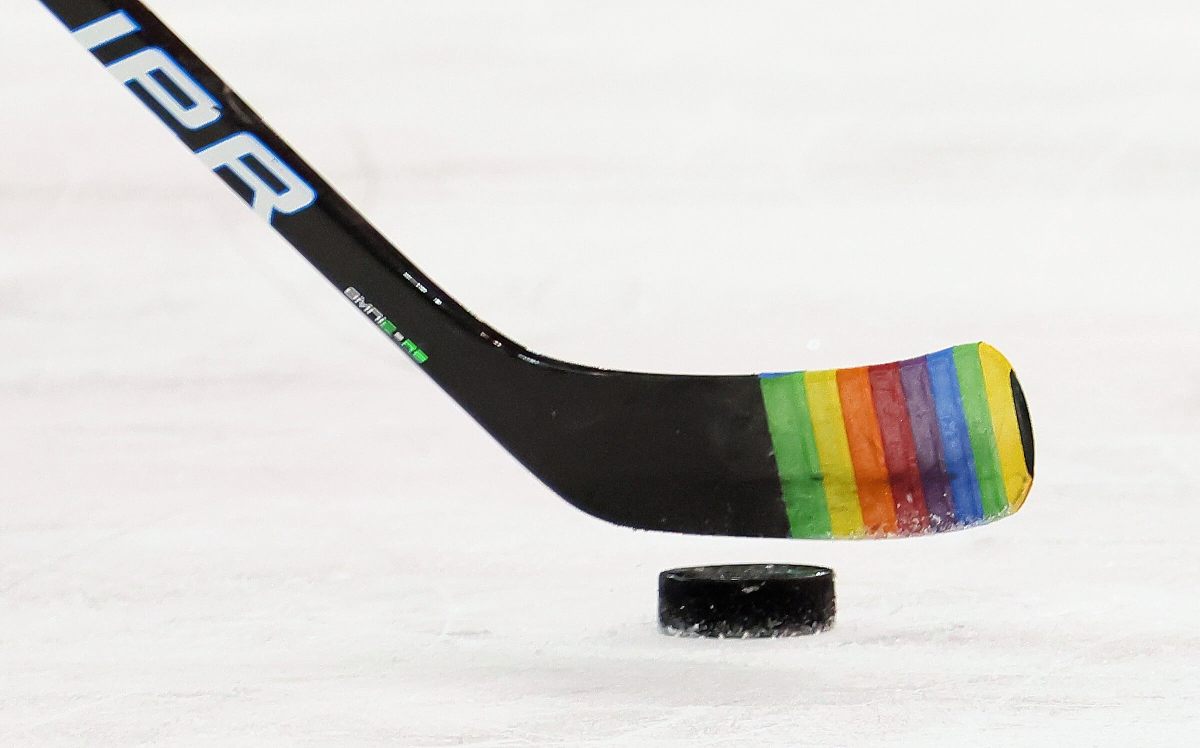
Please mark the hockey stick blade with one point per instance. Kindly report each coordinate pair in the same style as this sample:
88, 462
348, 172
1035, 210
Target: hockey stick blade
935, 443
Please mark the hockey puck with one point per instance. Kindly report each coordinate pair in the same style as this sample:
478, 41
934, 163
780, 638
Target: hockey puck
745, 601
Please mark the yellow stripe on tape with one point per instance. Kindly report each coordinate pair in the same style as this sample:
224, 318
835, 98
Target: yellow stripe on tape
841, 491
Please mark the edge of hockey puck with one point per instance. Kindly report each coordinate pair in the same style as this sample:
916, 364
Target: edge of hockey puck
746, 601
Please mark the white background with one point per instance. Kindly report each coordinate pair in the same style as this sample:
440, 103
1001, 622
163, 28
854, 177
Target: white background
231, 512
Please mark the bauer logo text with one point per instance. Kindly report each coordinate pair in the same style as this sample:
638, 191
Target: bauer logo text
266, 182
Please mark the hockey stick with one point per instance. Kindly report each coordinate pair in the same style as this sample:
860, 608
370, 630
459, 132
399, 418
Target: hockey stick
934, 443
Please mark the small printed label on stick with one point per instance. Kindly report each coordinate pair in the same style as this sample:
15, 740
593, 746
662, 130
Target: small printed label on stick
383, 323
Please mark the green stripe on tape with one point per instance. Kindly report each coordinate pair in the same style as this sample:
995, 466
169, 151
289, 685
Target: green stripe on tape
982, 434
796, 456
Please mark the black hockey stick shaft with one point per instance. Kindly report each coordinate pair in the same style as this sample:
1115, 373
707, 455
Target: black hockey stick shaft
226, 133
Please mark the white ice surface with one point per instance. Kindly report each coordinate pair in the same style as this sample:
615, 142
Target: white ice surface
231, 513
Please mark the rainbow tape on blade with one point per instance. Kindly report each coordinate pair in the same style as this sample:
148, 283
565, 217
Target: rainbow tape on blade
935, 443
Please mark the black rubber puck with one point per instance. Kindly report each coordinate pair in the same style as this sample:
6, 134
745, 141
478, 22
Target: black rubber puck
746, 601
